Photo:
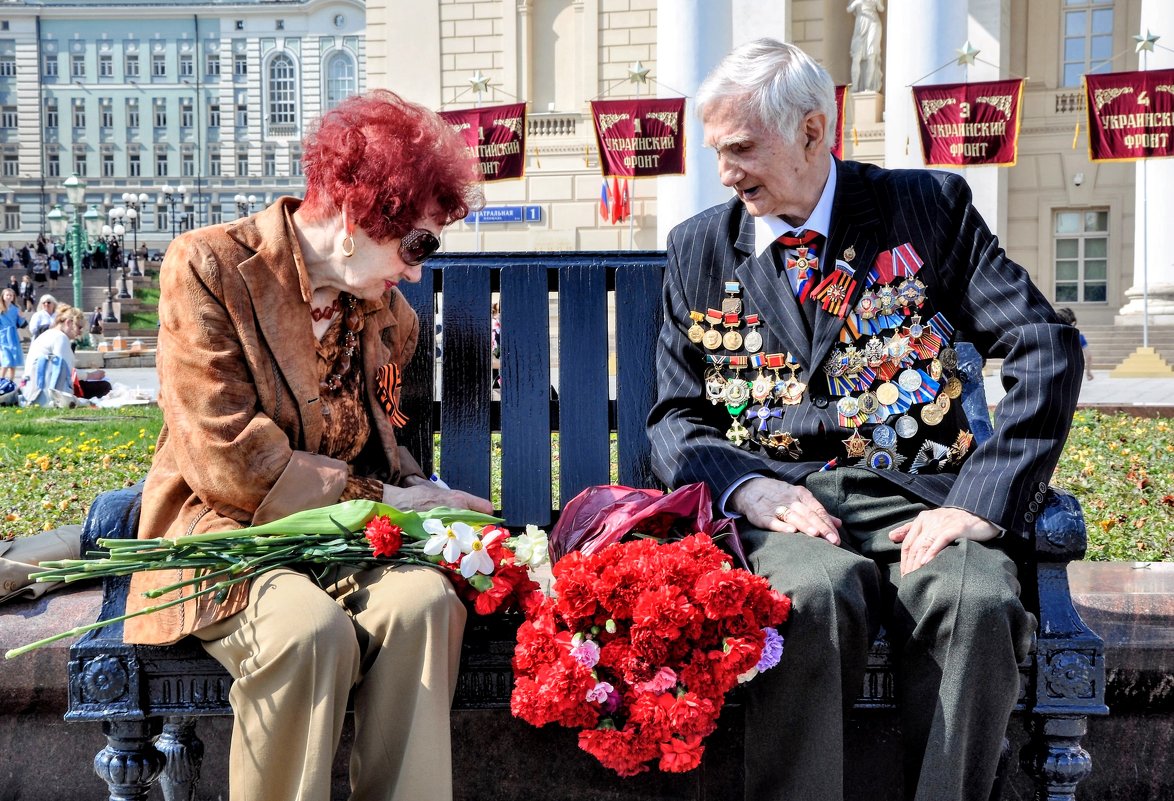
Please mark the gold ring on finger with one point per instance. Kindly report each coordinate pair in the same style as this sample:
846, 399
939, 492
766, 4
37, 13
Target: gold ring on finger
781, 511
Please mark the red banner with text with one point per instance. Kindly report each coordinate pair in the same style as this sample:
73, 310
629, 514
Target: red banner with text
1130, 115
838, 148
638, 138
969, 123
496, 138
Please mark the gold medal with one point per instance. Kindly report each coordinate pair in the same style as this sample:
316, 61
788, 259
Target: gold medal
954, 388
943, 400
932, 414
850, 253
696, 332
712, 339
732, 340
935, 369
869, 404
887, 393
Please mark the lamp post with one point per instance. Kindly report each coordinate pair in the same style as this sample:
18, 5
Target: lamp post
173, 196
134, 214
77, 235
117, 215
244, 205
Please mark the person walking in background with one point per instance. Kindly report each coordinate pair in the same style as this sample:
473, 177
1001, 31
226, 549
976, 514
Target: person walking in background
27, 292
54, 269
9, 256
862, 492
1068, 317
11, 353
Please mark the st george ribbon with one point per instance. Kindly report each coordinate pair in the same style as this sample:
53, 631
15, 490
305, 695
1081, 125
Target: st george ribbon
495, 137
969, 123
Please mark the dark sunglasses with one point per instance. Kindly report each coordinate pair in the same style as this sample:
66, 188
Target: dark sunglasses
417, 245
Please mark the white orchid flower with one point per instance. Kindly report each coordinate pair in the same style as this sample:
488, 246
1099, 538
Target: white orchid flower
531, 547
449, 541
477, 558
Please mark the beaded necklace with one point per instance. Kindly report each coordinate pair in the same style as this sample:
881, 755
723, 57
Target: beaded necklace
352, 324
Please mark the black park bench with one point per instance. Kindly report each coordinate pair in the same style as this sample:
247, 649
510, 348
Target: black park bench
148, 698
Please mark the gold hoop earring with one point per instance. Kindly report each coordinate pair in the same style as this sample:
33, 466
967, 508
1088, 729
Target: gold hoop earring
348, 246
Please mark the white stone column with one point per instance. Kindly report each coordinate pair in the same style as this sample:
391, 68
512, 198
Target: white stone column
988, 27
691, 37
1153, 235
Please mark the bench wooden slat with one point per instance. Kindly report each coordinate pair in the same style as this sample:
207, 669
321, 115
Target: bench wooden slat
525, 395
466, 375
638, 318
584, 438
420, 375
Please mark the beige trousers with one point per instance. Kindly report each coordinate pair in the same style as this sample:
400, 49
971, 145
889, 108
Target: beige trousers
391, 634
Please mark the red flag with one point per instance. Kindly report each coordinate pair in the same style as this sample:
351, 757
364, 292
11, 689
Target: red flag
969, 123
1129, 115
604, 206
617, 204
626, 206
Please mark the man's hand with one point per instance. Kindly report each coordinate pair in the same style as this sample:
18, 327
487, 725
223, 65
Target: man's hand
930, 532
775, 505
424, 496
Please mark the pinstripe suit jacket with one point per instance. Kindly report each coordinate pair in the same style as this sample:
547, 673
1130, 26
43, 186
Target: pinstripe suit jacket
989, 299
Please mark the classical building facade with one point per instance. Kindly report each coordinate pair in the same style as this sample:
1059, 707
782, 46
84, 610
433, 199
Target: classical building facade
1075, 225
134, 96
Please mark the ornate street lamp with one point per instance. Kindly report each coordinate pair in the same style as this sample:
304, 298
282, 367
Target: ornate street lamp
134, 215
244, 205
77, 236
117, 215
174, 197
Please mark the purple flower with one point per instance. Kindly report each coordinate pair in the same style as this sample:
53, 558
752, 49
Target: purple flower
586, 653
772, 650
600, 692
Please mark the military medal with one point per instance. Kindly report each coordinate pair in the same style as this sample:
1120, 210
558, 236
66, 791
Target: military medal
932, 414
884, 436
855, 445
949, 358
712, 339
790, 390
954, 388
763, 385
935, 369
732, 340
696, 332
848, 410
753, 340
883, 459
944, 402
888, 393
906, 427
763, 414
784, 441
849, 253
931, 455
737, 433
869, 404
732, 304
737, 394
961, 445
715, 386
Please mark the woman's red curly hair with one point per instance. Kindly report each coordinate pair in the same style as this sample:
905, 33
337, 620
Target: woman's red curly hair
386, 160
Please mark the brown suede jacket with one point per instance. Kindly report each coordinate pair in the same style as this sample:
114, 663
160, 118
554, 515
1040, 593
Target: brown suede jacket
239, 391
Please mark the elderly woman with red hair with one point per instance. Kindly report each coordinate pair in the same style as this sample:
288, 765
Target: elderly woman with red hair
276, 331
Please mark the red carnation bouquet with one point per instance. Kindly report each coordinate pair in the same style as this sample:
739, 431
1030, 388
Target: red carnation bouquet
643, 638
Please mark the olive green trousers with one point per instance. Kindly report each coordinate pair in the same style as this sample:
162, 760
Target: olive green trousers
957, 627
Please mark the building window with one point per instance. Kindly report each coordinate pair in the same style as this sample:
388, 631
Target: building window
295, 162
282, 94
214, 162
132, 65
239, 24
1082, 256
107, 163
52, 116
160, 113
53, 164
1088, 38
106, 112
79, 113
11, 165
132, 113
187, 66
212, 65
158, 65
161, 162
340, 79
269, 164
8, 117
8, 65
134, 163
216, 215
242, 164
79, 162
161, 215
77, 66
49, 67
188, 164
12, 218
186, 115
213, 115
240, 65
242, 115
105, 65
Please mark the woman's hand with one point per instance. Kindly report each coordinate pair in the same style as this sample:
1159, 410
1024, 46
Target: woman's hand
775, 505
424, 496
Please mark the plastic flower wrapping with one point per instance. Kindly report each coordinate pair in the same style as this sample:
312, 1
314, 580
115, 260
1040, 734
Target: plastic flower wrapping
471, 548
644, 636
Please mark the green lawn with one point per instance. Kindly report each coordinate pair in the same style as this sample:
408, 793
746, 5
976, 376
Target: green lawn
56, 461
